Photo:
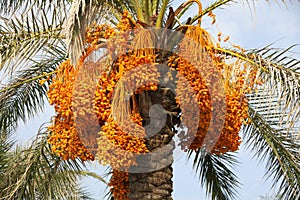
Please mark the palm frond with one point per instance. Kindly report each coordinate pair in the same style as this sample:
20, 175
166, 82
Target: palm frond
280, 152
35, 173
5, 146
215, 173
281, 78
12, 6
162, 12
282, 72
25, 34
108, 195
24, 96
92, 175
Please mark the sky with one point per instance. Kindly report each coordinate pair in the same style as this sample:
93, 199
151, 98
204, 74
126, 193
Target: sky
252, 27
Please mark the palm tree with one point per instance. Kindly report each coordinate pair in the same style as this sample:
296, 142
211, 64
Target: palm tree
33, 49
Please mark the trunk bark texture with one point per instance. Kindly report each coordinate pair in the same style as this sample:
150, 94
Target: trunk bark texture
152, 178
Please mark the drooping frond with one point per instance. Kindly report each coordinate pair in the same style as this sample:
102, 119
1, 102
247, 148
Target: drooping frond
281, 79
281, 75
24, 95
215, 174
280, 152
35, 173
25, 34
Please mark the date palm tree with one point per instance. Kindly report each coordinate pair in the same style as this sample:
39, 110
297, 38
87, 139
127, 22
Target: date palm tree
34, 46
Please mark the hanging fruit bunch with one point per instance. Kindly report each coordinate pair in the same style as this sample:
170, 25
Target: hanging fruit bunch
64, 139
201, 72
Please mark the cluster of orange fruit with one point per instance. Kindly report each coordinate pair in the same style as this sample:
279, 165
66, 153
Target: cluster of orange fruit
119, 140
118, 144
95, 33
119, 184
64, 138
220, 96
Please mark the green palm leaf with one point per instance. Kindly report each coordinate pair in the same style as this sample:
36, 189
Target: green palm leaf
5, 145
280, 152
26, 34
12, 6
213, 6
42, 175
216, 175
24, 96
280, 74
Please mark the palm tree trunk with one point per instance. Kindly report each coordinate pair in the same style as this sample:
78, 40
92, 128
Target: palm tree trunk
158, 183
152, 177
155, 185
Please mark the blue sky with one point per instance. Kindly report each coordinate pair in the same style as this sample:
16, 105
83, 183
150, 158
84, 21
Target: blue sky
264, 24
